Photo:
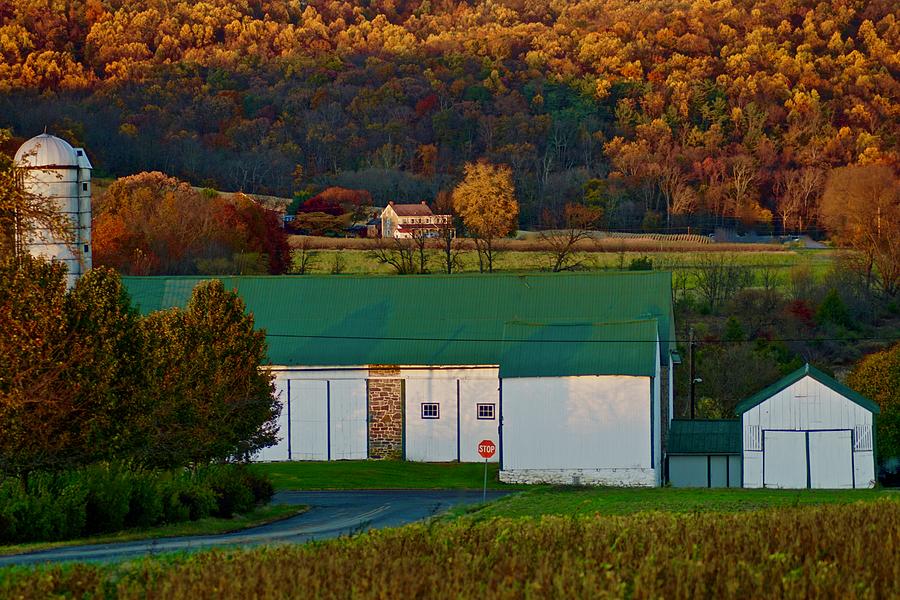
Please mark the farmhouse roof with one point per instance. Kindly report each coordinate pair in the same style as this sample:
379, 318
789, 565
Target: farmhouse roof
701, 436
411, 210
451, 319
806, 371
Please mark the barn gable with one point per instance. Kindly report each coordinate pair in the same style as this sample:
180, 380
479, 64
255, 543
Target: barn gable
814, 374
808, 431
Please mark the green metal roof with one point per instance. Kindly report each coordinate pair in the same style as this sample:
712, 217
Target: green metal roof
702, 436
433, 319
788, 380
557, 349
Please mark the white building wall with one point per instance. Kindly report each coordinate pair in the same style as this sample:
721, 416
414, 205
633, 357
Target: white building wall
457, 431
323, 413
807, 405
596, 429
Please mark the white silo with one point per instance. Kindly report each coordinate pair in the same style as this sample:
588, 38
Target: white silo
61, 175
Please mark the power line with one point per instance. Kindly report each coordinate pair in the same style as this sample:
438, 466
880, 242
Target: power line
540, 341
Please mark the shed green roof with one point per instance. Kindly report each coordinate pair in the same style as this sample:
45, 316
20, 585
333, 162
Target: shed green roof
702, 436
806, 371
440, 320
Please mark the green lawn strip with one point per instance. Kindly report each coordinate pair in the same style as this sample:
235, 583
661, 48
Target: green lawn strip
207, 526
779, 261
547, 500
379, 474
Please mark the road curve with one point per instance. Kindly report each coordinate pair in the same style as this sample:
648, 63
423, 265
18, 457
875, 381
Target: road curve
331, 514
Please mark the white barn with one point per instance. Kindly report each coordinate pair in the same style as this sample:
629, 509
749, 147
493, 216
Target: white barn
568, 374
808, 431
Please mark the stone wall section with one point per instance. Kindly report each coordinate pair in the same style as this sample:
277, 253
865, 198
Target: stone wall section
607, 477
385, 390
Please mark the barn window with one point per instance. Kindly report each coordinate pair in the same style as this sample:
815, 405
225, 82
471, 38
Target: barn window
862, 438
486, 412
752, 438
84, 187
431, 410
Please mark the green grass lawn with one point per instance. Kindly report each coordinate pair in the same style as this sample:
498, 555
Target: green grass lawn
619, 501
207, 526
375, 474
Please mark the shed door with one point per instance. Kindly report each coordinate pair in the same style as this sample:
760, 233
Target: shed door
347, 410
830, 459
784, 459
309, 420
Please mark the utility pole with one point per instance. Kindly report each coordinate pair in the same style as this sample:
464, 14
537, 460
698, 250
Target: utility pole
691, 360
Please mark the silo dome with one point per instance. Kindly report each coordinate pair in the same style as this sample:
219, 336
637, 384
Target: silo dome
46, 150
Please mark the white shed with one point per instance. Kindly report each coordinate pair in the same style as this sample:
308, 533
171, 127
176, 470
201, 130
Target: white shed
808, 431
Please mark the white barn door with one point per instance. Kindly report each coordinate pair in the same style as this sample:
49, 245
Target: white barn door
479, 417
784, 459
309, 419
831, 459
347, 423
431, 430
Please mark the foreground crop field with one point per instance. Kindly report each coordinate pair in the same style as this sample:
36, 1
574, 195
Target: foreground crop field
827, 552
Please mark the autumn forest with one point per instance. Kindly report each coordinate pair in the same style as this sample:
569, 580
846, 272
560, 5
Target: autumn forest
662, 112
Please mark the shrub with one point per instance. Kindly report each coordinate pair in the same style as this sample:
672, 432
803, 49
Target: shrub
107, 497
230, 486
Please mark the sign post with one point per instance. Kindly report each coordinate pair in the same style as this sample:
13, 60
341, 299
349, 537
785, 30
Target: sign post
486, 449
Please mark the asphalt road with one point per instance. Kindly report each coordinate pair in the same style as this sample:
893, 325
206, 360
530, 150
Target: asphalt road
331, 514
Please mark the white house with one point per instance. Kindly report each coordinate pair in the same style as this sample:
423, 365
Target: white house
568, 374
412, 220
808, 431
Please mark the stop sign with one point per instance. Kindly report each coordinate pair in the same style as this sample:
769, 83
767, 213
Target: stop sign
486, 448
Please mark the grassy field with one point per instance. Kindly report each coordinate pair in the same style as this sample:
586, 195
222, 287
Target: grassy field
541, 501
386, 474
207, 526
361, 262
846, 551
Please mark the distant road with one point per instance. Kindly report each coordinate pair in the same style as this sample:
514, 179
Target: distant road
331, 514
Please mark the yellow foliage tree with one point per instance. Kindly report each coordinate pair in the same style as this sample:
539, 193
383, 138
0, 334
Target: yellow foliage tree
486, 202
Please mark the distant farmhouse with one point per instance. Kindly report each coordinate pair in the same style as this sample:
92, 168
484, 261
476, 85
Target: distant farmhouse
412, 220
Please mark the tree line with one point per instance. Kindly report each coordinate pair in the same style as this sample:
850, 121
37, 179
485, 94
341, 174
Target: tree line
84, 378
675, 113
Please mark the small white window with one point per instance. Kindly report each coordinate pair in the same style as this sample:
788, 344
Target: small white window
486, 412
80, 152
84, 187
862, 438
431, 410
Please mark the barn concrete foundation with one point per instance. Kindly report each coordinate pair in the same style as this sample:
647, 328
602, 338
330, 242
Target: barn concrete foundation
385, 392
612, 477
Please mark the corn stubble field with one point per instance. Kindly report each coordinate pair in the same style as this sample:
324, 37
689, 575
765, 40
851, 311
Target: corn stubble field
814, 552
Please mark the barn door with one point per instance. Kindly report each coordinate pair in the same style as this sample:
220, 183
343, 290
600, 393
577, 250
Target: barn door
830, 459
347, 414
784, 459
309, 419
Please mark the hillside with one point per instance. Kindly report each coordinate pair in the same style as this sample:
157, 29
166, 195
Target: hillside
676, 111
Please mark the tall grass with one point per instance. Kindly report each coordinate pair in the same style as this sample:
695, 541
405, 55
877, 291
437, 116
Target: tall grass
824, 552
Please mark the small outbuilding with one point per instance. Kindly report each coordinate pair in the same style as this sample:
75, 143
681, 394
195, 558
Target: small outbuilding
705, 453
808, 431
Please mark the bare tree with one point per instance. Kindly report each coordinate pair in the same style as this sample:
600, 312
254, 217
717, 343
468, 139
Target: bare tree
304, 258
563, 243
798, 192
398, 253
450, 248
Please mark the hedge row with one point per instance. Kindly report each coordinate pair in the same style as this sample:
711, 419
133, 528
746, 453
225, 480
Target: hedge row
110, 497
